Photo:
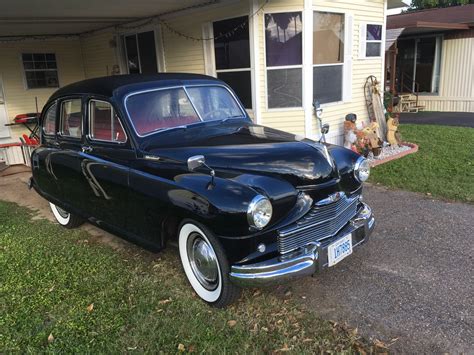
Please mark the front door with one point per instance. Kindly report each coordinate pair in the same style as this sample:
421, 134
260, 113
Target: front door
107, 153
4, 131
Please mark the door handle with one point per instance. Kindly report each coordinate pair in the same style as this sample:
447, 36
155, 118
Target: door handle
86, 149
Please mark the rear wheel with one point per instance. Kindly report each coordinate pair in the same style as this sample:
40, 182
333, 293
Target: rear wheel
205, 265
65, 218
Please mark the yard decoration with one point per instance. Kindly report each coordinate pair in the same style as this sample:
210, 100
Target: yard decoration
363, 140
375, 107
393, 136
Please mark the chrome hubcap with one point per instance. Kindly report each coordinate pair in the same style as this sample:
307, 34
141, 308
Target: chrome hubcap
203, 261
62, 213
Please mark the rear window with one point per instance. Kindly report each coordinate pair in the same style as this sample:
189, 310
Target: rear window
161, 109
71, 118
49, 122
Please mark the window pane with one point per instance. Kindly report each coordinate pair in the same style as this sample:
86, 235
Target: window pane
374, 32
214, 103
161, 109
71, 118
328, 38
49, 122
284, 88
40, 70
51, 78
240, 82
373, 49
132, 54
147, 50
233, 50
327, 83
105, 124
283, 39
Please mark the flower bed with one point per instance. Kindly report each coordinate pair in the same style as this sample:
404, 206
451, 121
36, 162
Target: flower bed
391, 153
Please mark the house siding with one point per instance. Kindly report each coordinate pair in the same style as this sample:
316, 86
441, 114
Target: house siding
456, 89
368, 11
98, 51
18, 98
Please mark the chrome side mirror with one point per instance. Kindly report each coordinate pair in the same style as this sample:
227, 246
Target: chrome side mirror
317, 109
195, 162
325, 128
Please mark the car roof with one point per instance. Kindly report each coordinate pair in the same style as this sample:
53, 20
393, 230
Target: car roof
108, 85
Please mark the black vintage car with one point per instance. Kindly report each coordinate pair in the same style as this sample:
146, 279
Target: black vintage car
175, 159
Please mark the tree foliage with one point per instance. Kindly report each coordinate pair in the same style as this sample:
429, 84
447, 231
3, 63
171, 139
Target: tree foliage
428, 4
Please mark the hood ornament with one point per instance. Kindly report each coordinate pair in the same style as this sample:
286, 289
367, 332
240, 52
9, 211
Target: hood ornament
331, 199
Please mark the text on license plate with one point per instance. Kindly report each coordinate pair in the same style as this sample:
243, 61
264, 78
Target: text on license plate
339, 250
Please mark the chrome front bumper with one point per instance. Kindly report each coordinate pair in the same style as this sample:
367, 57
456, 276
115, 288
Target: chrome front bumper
306, 260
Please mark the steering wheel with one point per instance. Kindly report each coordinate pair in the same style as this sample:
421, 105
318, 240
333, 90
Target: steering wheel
207, 114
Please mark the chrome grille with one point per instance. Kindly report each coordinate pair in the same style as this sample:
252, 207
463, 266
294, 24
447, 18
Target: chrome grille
319, 223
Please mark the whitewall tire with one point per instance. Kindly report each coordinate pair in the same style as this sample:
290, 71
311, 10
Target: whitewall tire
65, 218
205, 265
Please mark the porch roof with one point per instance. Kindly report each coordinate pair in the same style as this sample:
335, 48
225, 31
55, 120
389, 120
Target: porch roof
52, 17
449, 18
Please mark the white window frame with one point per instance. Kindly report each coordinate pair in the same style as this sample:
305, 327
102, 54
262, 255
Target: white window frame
159, 49
210, 57
348, 49
298, 66
25, 81
346, 82
363, 40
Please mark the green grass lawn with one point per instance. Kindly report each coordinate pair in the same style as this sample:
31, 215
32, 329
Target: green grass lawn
442, 167
61, 290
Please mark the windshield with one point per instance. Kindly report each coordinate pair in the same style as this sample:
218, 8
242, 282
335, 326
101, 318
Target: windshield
168, 108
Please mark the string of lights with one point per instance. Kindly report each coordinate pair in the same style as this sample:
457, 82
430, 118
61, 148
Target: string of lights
222, 35
144, 23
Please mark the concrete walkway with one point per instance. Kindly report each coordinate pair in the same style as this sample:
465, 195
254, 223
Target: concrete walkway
461, 119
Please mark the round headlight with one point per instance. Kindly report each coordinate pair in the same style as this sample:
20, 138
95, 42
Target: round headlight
259, 212
362, 169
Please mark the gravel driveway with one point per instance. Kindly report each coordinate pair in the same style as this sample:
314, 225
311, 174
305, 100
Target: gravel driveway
413, 281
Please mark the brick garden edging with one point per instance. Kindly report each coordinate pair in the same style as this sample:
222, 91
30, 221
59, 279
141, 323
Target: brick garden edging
414, 149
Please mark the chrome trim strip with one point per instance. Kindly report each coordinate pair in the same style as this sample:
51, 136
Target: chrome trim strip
295, 229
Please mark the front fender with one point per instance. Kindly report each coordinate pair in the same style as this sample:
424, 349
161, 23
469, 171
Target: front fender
221, 205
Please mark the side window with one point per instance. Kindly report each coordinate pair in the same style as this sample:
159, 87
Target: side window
71, 118
104, 125
49, 121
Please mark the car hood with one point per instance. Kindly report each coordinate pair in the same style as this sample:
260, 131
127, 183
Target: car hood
235, 148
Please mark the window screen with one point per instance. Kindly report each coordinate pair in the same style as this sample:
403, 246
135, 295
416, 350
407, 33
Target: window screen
71, 118
40, 70
328, 56
232, 56
104, 123
283, 55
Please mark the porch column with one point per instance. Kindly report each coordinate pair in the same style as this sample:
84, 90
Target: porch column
255, 59
308, 68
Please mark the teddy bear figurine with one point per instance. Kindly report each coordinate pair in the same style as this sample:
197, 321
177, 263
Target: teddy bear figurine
393, 136
350, 132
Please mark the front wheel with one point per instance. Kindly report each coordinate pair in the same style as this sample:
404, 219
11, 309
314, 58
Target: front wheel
65, 218
205, 265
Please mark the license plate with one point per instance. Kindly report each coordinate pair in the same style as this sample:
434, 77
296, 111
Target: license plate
339, 250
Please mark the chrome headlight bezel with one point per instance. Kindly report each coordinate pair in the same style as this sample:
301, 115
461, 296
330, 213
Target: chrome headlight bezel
362, 169
255, 206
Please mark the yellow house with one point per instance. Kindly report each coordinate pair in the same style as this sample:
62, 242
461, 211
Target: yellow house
278, 55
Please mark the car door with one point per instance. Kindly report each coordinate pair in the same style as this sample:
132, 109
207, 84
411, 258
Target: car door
44, 156
107, 155
67, 163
